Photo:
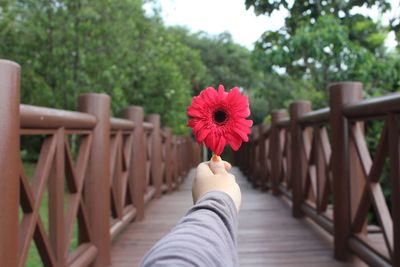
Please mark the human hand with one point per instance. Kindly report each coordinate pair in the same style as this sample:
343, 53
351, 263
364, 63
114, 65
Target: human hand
214, 175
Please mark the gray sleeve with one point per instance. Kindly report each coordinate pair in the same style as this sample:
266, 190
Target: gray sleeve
206, 236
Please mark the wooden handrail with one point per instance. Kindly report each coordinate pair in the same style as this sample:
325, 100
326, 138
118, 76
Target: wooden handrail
373, 108
285, 122
121, 124
34, 117
319, 116
148, 126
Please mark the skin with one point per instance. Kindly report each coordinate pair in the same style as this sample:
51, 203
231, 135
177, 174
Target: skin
214, 175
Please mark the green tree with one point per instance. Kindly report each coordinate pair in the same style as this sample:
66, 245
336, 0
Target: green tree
226, 62
69, 47
323, 42
309, 11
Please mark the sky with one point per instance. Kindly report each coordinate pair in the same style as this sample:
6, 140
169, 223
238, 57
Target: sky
225, 15
244, 25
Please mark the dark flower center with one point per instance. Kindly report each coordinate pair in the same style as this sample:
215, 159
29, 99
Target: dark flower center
220, 116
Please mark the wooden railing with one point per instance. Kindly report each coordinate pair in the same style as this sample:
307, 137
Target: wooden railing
320, 161
96, 172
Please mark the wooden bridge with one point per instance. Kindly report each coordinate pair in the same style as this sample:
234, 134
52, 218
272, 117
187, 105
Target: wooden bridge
105, 189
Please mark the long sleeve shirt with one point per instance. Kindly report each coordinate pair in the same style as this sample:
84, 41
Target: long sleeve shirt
205, 236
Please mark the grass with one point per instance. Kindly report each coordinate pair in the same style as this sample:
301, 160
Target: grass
34, 259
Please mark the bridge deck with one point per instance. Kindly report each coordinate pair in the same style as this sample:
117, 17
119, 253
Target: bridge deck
268, 235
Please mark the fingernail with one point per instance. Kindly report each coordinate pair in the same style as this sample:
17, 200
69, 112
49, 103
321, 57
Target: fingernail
216, 158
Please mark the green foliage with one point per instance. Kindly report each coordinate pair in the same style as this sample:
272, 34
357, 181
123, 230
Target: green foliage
226, 62
321, 52
278, 91
322, 42
258, 108
309, 10
70, 47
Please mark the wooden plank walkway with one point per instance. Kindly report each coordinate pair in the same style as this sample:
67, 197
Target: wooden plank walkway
268, 235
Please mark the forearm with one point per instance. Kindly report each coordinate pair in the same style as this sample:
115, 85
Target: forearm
206, 236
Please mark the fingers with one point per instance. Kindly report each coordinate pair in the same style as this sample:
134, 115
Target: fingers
228, 166
214, 166
216, 158
203, 170
217, 166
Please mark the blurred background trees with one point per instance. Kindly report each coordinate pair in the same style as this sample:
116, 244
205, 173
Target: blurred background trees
324, 42
68, 47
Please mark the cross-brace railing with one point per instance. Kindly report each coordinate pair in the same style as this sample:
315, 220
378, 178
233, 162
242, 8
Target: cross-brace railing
339, 165
93, 176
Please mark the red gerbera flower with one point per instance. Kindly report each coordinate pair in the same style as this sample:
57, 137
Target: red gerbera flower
219, 118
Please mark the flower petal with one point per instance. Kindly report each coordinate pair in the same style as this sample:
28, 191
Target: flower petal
199, 125
242, 135
220, 146
221, 92
194, 112
235, 141
209, 96
211, 142
203, 134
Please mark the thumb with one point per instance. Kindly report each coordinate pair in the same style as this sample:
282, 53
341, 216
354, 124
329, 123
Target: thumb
217, 166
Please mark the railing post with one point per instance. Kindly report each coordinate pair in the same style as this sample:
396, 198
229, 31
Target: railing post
179, 159
299, 162
246, 157
394, 159
189, 154
197, 153
192, 153
276, 150
168, 158
175, 161
340, 95
262, 168
185, 156
137, 172
249, 170
97, 184
255, 156
9, 162
156, 154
